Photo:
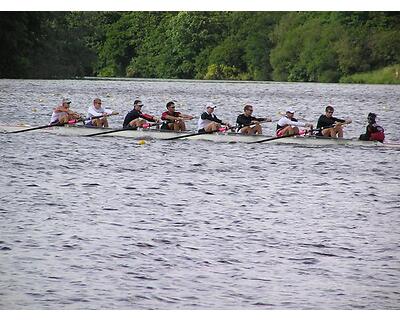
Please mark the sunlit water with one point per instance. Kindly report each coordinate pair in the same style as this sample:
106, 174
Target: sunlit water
106, 223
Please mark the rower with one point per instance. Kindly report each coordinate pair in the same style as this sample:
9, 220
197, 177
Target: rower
288, 125
247, 124
174, 120
136, 118
97, 110
208, 121
374, 132
330, 126
62, 114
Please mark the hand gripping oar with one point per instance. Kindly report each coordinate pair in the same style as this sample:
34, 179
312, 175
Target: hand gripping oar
55, 125
119, 130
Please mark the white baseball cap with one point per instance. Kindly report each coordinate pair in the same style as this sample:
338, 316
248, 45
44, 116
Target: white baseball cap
210, 105
290, 110
66, 100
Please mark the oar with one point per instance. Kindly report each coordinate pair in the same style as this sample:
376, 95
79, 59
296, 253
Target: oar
54, 125
275, 138
194, 134
119, 130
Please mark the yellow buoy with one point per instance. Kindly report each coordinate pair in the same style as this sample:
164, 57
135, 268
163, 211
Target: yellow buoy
141, 142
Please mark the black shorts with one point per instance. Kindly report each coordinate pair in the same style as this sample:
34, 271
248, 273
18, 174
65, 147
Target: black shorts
165, 126
202, 131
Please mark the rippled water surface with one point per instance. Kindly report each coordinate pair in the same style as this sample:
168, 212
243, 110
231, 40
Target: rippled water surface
90, 223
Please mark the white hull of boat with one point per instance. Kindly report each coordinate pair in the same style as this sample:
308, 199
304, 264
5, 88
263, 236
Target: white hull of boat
228, 137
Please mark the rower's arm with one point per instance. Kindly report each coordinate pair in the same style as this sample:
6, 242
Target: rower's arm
206, 116
169, 117
148, 117
286, 121
93, 113
186, 116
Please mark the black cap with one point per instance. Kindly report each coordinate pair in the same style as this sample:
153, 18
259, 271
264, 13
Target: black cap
371, 117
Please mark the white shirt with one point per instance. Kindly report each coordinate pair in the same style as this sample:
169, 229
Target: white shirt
93, 112
285, 121
202, 123
56, 115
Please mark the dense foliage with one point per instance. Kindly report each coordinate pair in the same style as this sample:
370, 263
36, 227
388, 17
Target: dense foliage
284, 46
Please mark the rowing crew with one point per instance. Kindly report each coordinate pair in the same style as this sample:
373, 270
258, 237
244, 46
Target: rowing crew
97, 114
208, 122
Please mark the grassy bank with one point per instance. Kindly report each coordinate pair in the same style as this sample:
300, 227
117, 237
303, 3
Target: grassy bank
387, 75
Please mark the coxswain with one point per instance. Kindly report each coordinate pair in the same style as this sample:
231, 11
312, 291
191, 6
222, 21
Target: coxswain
97, 110
62, 114
374, 132
247, 124
330, 126
208, 121
174, 120
136, 118
288, 125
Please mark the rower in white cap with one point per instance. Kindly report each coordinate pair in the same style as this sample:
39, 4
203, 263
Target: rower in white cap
62, 114
288, 125
208, 121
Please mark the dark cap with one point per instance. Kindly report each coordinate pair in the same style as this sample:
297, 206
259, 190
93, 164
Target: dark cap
138, 103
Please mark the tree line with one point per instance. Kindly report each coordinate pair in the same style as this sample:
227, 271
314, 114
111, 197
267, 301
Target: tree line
281, 46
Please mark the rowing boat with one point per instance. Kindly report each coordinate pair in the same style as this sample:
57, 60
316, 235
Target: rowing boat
227, 137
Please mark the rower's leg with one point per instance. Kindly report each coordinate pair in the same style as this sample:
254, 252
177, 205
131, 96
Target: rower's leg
179, 126
257, 129
285, 131
63, 119
105, 122
213, 126
340, 131
97, 122
326, 132
183, 126
137, 122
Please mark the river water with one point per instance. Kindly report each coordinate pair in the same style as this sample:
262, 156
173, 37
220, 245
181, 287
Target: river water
106, 223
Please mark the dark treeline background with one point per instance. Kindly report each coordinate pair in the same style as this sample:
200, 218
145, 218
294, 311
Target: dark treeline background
283, 46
